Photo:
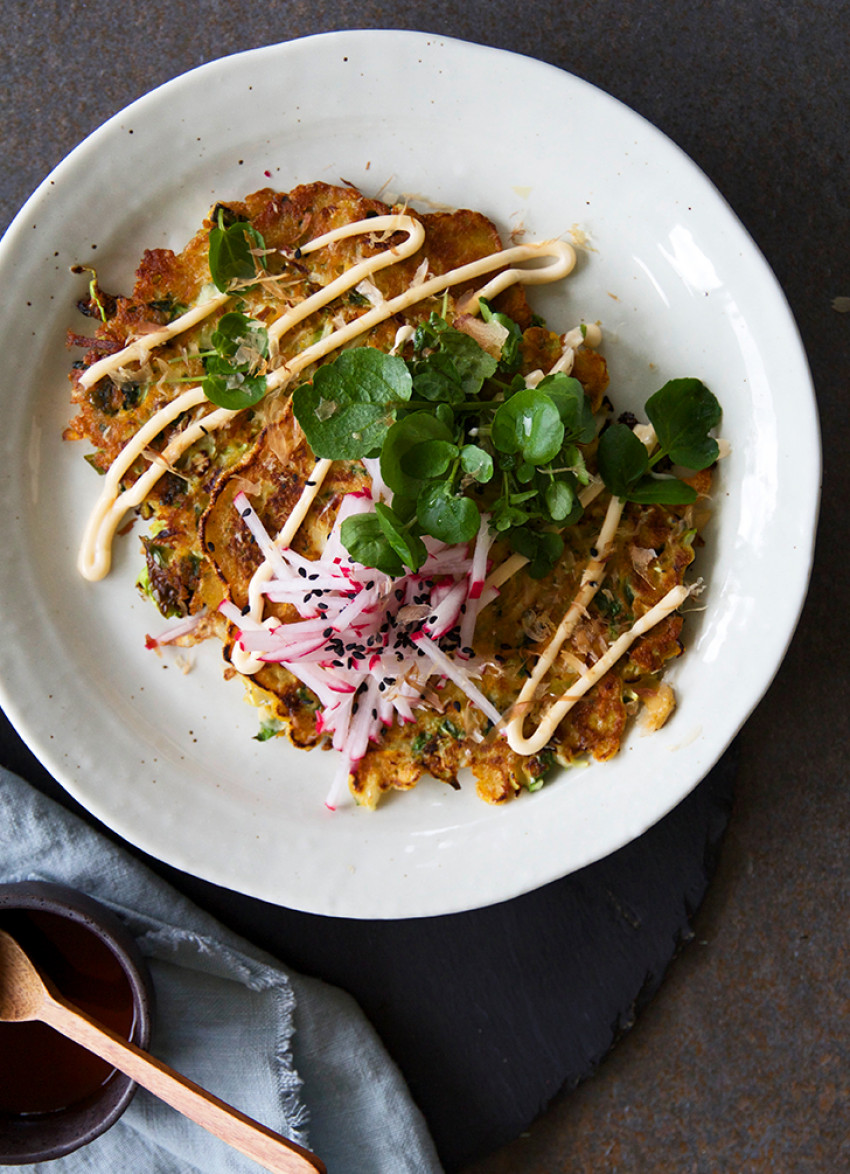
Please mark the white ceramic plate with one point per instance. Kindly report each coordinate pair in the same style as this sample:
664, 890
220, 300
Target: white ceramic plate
167, 759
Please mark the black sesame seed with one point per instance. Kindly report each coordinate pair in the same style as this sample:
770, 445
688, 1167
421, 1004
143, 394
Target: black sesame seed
302, 572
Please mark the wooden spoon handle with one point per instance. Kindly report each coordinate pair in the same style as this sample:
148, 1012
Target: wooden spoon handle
270, 1149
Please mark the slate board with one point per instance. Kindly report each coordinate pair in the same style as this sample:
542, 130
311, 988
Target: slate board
490, 1013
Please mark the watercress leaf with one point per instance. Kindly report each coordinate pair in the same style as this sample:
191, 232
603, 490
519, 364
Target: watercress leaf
505, 515
622, 459
404, 508
472, 363
234, 391
408, 546
430, 459
351, 404
231, 387
363, 537
437, 378
529, 423
682, 413
445, 415
542, 548
511, 355
573, 406
573, 459
402, 441
560, 500
230, 256
234, 331
521, 498
477, 463
445, 515
663, 490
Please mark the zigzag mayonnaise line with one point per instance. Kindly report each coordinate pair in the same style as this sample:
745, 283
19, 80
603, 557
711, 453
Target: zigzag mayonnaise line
138, 351
557, 711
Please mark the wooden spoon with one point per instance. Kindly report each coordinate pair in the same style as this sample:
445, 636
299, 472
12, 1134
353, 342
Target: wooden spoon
26, 995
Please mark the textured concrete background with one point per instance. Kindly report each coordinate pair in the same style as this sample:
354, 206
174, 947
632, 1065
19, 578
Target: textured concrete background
742, 1062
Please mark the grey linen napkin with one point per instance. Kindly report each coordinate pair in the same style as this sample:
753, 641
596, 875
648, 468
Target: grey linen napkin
292, 1052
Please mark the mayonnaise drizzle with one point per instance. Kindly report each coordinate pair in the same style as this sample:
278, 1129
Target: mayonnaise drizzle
591, 581
674, 598
95, 554
357, 273
140, 348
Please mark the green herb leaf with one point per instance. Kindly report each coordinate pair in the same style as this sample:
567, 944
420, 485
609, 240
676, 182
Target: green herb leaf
542, 548
364, 538
476, 463
573, 406
529, 423
351, 404
560, 500
408, 546
663, 491
430, 459
399, 465
682, 413
447, 516
235, 331
231, 387
437, 378
230, 256
511, 355
622, 459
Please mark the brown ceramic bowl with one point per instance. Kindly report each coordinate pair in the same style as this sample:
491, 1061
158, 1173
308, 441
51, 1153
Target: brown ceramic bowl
55, 1096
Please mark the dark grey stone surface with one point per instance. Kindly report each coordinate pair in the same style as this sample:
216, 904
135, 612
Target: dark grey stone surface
742, 1061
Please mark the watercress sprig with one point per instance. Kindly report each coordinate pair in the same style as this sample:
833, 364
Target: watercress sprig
457, 433
682, 414
230, 256
233, 376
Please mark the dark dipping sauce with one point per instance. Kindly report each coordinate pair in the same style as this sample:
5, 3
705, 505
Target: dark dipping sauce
40, 1070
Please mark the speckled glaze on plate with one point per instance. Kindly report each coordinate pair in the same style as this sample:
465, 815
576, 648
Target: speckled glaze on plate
168, 760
